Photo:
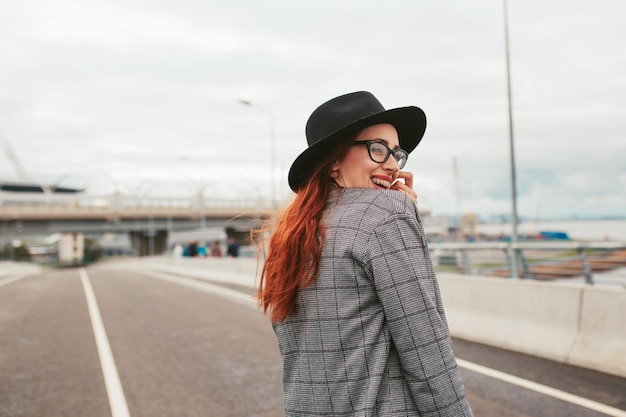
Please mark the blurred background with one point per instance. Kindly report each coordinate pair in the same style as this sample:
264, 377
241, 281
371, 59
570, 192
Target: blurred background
207, 100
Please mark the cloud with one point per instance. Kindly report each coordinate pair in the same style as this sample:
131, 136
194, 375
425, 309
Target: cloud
105, 93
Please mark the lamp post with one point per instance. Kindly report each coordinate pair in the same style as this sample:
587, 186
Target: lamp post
514, 221
198, 197
116, 198
272, 147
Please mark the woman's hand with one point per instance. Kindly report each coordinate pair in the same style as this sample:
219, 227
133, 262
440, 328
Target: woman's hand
404, 184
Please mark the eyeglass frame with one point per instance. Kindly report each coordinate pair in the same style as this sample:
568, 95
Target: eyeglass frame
390, 151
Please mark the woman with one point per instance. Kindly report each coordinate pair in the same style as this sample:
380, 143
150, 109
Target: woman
348, 281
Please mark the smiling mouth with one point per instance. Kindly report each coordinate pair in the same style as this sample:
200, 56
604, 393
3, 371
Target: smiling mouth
381, 183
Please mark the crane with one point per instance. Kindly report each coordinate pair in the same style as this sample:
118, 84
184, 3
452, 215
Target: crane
22, 175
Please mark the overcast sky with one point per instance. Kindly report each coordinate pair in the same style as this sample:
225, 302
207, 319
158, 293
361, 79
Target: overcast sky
142, 95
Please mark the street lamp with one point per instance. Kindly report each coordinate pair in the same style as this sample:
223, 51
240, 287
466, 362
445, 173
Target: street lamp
515, 255
272, 147
116, 198
200, 186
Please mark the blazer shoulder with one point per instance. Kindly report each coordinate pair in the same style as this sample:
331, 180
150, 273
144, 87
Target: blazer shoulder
390, 201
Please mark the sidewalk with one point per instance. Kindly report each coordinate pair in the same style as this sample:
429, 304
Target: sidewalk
11, 268
236, 271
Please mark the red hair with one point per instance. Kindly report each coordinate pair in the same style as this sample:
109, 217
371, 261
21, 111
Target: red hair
295, 246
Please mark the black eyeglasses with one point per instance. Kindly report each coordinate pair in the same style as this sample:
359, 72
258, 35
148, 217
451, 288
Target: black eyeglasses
379, 152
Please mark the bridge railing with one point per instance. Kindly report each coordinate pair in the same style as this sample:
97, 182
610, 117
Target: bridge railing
510, 249
119, 205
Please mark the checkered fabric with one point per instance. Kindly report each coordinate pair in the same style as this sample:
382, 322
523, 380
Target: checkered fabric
370, 337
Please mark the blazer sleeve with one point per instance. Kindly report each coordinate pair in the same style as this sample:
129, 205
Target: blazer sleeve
401, 269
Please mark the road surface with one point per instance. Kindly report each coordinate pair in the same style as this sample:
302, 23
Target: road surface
120, 341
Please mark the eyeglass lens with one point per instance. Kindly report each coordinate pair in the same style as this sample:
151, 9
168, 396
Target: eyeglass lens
379, 153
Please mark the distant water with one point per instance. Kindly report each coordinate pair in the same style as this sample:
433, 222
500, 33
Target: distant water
596, 230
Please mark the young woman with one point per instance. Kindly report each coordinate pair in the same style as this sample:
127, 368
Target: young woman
348, 281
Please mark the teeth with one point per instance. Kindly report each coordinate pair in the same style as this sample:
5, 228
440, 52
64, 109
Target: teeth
382, 183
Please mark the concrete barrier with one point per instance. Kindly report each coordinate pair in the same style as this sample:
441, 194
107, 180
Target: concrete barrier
601, 342
238, 271
572, 323
537, 318
567, 322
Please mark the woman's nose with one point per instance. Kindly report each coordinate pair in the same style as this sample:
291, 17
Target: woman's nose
391, 165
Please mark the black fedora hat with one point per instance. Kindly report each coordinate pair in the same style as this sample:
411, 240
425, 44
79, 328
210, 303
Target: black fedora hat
334, 120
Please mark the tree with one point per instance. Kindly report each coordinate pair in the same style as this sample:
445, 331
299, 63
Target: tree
15, 252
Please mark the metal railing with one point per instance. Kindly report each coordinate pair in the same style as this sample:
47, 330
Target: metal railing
510, 250
119, 205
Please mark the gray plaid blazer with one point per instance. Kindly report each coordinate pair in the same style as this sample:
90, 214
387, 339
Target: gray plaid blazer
370, 337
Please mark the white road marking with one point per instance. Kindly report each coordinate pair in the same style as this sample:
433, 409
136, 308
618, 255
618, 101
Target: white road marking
9, 280
117, 400
552, 392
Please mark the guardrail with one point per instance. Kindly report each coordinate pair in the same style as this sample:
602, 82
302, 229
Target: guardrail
518, 248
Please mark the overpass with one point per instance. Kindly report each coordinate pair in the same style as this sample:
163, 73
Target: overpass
147, 220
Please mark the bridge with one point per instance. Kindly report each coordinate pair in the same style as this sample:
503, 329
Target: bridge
147, 220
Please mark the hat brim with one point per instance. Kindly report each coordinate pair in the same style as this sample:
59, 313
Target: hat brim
410, 123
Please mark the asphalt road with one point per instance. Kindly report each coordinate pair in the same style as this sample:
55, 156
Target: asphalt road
173, 346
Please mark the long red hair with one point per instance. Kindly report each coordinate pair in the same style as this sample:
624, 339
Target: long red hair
295, 245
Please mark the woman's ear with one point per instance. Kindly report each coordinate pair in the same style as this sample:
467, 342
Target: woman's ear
334, 170
335, 175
